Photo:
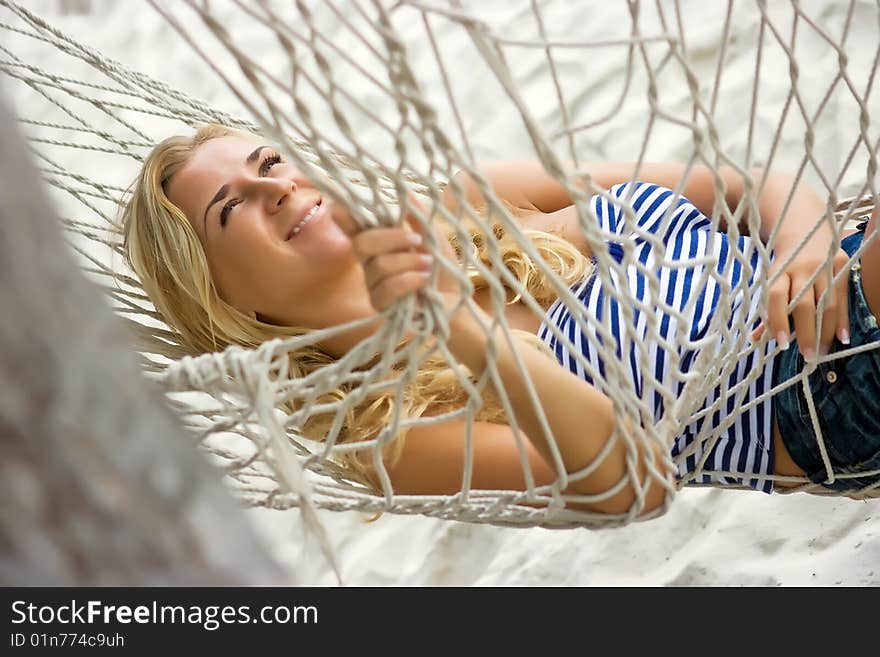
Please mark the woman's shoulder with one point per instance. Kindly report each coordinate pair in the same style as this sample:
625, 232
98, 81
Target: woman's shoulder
639, 193
645, 207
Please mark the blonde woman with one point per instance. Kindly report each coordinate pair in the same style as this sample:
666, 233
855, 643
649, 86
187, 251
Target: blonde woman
235, 246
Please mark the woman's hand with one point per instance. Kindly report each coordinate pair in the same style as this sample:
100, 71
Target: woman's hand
396, 260
793, 277
789, 209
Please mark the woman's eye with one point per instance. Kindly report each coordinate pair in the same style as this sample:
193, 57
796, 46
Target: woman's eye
268, 162
224, 213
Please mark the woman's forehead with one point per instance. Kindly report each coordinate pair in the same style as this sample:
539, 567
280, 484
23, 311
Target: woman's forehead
222, 150
211, 165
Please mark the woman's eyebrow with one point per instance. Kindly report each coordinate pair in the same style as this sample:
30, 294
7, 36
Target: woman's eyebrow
219, 196
255, 154
224, 190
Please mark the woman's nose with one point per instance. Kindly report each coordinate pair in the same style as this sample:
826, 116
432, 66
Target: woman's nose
276, 192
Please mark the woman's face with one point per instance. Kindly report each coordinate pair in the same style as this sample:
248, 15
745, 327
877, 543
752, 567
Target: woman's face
268, 235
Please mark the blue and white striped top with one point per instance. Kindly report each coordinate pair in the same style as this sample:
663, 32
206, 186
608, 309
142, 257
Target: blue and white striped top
674, 239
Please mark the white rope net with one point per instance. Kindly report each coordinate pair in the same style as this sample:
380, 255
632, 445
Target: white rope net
412, 128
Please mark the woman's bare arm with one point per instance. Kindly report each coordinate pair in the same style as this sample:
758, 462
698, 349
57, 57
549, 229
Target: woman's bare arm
433, 459
580, 418
527, 186
433, 463
786, 208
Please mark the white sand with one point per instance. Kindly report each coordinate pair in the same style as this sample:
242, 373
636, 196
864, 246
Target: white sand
710, 537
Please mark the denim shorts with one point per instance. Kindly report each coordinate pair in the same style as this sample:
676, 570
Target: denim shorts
846, 393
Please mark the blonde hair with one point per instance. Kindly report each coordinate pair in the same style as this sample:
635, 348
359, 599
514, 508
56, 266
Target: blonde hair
164, 250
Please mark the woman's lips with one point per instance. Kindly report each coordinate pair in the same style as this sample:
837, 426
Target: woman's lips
308, 215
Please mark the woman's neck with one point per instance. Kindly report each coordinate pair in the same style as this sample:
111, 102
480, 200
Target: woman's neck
345, 301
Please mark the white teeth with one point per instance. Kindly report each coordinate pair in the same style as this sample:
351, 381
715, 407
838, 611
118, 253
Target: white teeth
306, 219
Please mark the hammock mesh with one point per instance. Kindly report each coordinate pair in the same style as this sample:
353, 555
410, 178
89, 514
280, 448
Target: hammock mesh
413, 126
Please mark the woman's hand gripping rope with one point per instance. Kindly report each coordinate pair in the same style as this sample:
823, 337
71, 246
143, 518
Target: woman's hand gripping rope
790, 276
396, 260
566, 419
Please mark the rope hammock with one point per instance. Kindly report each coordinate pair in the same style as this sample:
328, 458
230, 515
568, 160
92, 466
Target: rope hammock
411, 130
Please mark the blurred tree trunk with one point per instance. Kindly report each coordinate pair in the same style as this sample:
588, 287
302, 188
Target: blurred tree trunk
98, 483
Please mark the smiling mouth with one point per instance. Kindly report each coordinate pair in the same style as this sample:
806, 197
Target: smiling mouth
306, 219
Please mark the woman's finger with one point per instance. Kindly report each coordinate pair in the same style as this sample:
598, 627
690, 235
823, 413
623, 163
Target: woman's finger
804, 317
424, 229
758, 331
410, 203
374, 242
777, 310
382, 267
340, 214
826, 296
394, 288
840, 261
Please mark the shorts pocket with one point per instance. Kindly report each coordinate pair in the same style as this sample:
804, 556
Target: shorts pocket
849, 411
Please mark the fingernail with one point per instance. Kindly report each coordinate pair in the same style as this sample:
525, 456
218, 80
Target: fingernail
414, 238
844, 336
427, 259
809, 354
782, 340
